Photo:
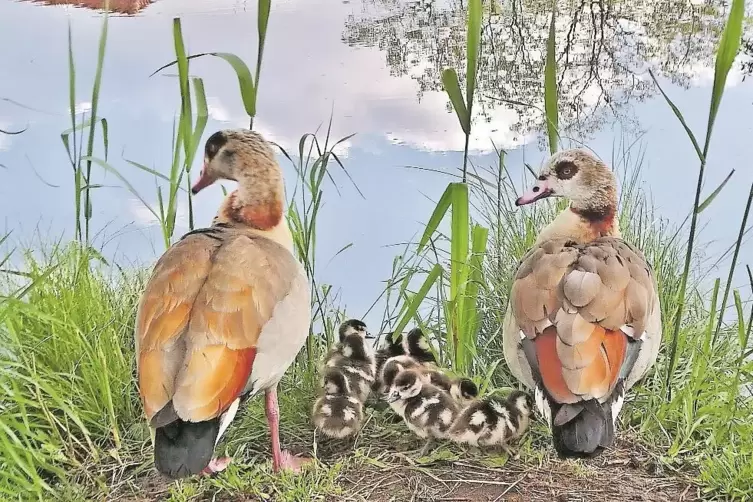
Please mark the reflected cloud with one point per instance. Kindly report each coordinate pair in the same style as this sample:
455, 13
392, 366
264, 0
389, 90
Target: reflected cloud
604, 50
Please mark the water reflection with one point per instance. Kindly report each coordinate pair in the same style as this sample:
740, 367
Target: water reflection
604, 49
747, 49
118, 6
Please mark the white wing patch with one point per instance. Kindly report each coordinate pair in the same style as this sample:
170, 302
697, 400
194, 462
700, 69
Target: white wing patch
542, 405
617, 406
227, 417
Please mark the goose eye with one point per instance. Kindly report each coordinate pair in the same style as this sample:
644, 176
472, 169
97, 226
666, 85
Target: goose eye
566, 170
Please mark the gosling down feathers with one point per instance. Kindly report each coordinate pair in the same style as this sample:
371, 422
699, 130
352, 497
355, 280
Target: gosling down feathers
413, 344
583, 323
225, 312
348, 376
462, 390
427, 410
492, 421
337, 412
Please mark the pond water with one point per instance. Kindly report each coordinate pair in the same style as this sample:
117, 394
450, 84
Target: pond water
374, 65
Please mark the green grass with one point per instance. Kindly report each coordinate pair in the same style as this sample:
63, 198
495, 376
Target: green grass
71, 424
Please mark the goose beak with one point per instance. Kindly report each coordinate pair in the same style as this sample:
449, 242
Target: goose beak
204, 181
540, 190
392, 397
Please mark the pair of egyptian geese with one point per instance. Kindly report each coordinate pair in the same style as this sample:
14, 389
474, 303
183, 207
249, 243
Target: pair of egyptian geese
227, 309
433, 404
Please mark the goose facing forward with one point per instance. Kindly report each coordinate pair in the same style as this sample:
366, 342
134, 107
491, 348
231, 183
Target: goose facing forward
224, 313
583, 323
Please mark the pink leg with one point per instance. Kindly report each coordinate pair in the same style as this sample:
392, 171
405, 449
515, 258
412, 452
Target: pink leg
280, 459
216, 465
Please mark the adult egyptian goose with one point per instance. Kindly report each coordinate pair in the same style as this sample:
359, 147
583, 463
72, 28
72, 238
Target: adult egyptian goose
583, 322
224, 313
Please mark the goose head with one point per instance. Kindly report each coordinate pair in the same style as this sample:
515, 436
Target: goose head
577, 175
238, 155
590, 186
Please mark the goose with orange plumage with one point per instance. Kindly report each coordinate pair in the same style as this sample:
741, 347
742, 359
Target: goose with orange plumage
224, 314
583, 323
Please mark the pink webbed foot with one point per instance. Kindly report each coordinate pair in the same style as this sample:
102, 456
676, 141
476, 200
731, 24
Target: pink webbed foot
291, 462
216, 465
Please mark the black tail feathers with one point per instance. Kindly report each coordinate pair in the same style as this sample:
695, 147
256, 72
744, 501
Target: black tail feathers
583, 429
183, 449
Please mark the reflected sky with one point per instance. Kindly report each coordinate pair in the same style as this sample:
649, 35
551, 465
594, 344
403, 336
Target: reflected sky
374, 66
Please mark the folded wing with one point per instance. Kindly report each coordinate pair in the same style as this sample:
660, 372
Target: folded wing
581, 306
201, 316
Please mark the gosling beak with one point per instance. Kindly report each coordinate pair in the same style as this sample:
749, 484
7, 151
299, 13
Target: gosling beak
204, 181
392, 397
540, 190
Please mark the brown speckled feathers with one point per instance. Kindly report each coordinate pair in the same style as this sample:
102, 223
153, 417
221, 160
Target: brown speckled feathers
574, 300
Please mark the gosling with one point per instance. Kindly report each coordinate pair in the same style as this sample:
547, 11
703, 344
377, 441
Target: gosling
427, 410
348, 376
493, 422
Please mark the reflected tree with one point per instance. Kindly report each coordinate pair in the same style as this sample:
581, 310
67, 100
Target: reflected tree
747, 63
604, 49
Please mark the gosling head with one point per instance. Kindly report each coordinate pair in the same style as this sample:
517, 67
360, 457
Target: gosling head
352, 327
406, 385
521, 401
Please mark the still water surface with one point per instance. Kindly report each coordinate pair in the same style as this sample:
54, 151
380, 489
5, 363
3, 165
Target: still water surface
375, 65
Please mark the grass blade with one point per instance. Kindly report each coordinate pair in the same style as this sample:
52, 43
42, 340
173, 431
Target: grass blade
550, 87
262, 23
725, 56
679, 116
94, 107
245, 81
473, 44
733, 263
436, 217
415, 301
452, 88
107, 167
713, 195
186, 120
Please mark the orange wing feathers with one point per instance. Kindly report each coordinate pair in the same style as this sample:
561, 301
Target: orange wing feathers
573, 301
200, 318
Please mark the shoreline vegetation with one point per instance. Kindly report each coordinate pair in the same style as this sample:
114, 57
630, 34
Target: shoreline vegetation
72, 427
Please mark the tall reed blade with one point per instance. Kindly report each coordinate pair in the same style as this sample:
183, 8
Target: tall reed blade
728, 47
550, 87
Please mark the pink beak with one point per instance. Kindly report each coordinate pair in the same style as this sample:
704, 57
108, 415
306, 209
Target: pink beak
204, 181
540, 190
